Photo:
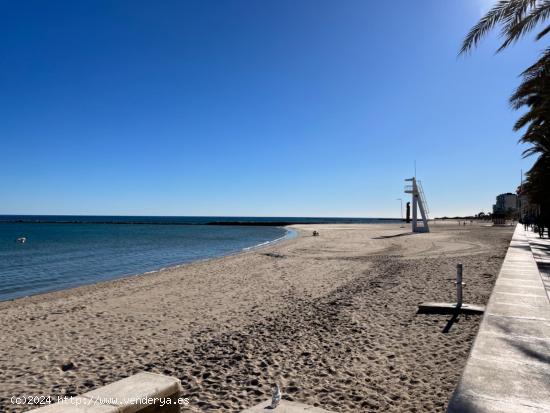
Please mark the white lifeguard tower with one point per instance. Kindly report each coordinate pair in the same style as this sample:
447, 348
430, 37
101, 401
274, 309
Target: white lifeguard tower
418, 202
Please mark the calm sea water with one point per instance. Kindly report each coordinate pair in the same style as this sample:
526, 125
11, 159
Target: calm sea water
68, 251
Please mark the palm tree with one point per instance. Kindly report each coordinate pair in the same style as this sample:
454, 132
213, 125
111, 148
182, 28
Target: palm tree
517, 18
534, 94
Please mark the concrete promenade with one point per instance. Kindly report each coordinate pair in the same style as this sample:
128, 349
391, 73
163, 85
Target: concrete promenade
508, 370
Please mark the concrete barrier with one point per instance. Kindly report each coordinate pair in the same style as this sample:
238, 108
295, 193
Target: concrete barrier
142, 392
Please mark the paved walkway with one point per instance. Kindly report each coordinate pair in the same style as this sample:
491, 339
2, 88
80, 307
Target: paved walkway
508, 370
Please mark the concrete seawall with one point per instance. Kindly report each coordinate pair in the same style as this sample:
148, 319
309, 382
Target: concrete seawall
508, 369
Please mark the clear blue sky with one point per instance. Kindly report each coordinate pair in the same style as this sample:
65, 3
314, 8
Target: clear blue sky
284, 108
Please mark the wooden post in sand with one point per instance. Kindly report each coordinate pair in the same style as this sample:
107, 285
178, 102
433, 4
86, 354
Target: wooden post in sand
453, 308
458, 285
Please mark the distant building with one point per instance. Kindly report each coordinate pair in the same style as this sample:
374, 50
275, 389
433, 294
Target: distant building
506, 204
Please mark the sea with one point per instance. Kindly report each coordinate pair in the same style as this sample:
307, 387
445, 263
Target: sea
43, 253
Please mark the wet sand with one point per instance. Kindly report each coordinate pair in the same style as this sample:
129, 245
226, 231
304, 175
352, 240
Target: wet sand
331, 318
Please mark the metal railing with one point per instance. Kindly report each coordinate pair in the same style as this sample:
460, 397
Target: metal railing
422, 198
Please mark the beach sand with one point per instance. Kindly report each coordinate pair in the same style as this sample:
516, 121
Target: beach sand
331, 318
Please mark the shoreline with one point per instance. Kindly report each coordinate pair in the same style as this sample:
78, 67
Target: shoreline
290, 234
331, 318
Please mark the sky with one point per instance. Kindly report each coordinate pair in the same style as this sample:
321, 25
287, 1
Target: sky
253, 108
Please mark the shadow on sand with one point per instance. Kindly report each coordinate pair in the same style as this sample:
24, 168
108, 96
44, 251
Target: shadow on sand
395, 236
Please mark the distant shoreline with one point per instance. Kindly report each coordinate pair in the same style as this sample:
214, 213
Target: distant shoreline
222, 221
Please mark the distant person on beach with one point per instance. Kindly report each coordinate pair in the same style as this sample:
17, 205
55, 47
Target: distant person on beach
544, 223
540, 226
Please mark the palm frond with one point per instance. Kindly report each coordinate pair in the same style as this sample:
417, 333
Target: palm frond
543, 33
486, 24
524, 23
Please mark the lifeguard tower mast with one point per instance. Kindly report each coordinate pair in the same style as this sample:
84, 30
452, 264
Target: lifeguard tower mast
418, 202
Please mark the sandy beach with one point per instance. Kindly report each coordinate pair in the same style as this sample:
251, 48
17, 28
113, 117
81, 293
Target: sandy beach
331, 318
